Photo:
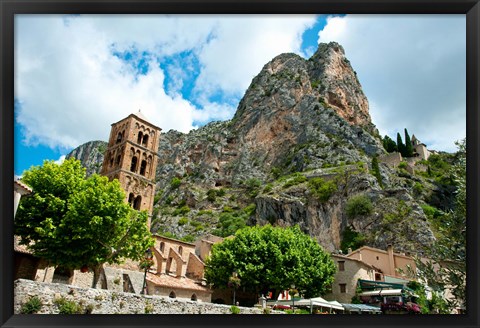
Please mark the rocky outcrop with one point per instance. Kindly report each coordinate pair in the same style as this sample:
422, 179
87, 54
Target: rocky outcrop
91, 155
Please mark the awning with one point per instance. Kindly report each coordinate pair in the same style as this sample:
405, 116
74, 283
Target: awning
384, 292
319, 301
361, 308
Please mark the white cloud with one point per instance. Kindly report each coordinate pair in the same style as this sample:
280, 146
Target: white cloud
412, 69
60, 160
71, 86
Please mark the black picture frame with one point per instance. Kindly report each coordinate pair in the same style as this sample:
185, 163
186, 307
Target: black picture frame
9, 8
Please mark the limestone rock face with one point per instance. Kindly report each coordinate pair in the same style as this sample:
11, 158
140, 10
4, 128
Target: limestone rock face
91, 155
298, 116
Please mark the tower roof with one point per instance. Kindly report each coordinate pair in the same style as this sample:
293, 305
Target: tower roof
140, 115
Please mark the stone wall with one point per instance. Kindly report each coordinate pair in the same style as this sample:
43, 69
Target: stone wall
102, 301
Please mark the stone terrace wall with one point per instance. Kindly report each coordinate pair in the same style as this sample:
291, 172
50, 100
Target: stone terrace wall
107, 302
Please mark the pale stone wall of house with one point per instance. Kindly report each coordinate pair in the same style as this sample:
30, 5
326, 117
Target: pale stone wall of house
108, 302
201, 296
195, 267
170, 254
380, 259
203, 248
392, 159
354, 270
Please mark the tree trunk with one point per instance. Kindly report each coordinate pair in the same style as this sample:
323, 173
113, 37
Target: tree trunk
97, 270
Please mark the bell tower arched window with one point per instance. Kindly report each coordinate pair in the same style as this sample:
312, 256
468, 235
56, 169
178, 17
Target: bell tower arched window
137, 203
119, 158
145, 140
140, 138
133, 166
131, 198
143, 167
119, 137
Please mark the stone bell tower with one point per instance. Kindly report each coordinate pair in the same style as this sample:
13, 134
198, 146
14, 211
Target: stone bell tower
131, 157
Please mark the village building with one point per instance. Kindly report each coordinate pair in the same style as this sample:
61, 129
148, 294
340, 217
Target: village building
393, 266
349, 271
420, 152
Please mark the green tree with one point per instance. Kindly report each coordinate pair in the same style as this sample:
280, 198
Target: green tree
408, 145
389, 145
72, 221
376, 170
400, 144
358, 205
446, 264
271, 259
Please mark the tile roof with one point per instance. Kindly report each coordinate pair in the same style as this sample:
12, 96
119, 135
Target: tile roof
20, 248
165, 280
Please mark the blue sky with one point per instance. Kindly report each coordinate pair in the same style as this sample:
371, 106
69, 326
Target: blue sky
75, 75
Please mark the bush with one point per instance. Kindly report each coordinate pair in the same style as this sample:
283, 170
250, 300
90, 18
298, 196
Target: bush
67, 307
182, 221
33, 305
358, 205
211, 195
181, 211
234, 309
351, 239
295, 179
321, 189
175, 183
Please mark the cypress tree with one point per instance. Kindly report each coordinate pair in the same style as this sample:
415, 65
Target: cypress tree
376, 170
400, 145
408, 145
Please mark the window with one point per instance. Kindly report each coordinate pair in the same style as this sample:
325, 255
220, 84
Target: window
378, 276
194, 297
162, 246
143, 167
119, 158
131, 198
172, 295
378, 258
343, 288
119, 137
133, 166
140, 136
341, 265
137, 203
145, 140
180, 250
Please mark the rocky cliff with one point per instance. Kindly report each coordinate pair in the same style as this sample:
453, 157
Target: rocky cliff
298, 148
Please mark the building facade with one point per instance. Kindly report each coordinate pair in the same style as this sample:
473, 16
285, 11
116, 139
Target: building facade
131, 157
349, 271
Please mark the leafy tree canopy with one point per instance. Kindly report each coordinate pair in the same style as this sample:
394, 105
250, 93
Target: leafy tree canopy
72, 221
446, 267
271, 258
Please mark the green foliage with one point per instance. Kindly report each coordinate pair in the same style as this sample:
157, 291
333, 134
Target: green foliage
182, 221
267, 258
400, 144
447, 265
73, 221
276, 172
402, 165
418, 188
294, 179
188, 238
148, 308
408, 145
253, 186
211, 195
376, 171
175, 183
268, 188
229, 223
351, 239
389, 145
234, 309
158, 196
68, 307
322, 189
33, 305
181, 211
358, 205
